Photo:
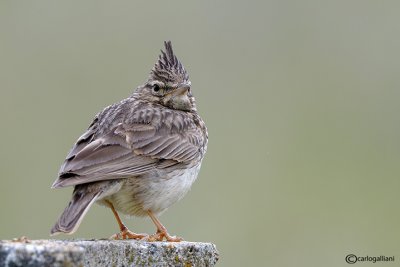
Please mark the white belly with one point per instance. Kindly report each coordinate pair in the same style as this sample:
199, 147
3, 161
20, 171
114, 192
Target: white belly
155, 193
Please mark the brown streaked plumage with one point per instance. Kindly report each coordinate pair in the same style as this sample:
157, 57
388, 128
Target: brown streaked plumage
140, 155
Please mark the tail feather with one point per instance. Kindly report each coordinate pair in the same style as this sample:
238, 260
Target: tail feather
71, 218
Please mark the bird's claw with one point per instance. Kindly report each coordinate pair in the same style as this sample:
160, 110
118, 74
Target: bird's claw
126, 234
159, 236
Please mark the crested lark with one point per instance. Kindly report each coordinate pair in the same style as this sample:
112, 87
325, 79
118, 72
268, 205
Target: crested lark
140, 155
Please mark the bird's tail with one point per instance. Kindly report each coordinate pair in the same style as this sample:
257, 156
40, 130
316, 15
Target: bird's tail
73, 214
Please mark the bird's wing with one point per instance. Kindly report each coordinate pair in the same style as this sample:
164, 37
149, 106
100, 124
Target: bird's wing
128, 150
163, 142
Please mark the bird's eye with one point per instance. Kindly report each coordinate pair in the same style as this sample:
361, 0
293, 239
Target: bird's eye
156, 88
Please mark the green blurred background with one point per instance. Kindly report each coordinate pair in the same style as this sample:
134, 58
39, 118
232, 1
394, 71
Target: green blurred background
301, 99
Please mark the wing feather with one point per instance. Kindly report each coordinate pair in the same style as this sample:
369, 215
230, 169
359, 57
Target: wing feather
130, 149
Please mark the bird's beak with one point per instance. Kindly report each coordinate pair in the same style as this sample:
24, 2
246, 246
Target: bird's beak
182, 90
178, 98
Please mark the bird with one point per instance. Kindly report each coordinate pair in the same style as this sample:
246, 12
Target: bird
138, 156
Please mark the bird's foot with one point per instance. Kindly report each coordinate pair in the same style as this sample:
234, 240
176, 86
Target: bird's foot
160, 235
126, 234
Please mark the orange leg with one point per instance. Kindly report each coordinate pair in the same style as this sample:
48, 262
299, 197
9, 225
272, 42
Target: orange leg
125, 233
161, 231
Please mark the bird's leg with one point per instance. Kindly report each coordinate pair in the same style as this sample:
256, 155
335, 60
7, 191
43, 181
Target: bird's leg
161, 231
125, 233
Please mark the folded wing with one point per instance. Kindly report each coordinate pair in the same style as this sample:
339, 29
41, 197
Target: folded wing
127, 150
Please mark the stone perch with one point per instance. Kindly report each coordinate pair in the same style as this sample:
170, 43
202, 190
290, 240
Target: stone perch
35, 253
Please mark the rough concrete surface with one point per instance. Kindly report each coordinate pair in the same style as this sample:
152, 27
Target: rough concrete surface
34, 253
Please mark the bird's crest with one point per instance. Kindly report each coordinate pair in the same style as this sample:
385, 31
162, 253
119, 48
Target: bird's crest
168, 68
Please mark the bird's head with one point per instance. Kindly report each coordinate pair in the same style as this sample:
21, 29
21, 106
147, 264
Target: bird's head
168, 83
